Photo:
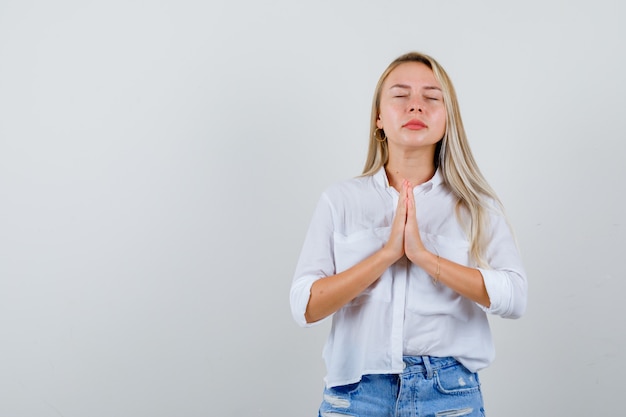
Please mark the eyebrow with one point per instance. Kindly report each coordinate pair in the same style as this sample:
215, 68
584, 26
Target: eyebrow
408, 87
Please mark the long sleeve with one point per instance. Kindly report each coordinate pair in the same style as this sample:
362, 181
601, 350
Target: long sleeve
316, 260
505, 280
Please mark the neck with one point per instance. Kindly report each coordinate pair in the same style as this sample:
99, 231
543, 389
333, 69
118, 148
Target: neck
416, 167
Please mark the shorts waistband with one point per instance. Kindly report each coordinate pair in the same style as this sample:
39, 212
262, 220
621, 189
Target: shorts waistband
427, 364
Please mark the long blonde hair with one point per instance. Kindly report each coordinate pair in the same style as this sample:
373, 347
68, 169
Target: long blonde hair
453, 157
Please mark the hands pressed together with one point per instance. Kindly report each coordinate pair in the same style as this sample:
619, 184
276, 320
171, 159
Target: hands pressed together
405, 240
405, 237
331, 293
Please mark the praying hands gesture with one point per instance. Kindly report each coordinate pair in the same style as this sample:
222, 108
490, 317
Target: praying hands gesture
330, 293
405, 238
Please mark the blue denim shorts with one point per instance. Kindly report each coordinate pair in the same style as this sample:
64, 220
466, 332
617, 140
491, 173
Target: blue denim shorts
428, 386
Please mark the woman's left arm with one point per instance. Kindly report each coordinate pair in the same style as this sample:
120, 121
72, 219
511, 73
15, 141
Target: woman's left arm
501, 290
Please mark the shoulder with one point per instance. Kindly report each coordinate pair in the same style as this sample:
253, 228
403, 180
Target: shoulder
493, 206
349, 189
360, 182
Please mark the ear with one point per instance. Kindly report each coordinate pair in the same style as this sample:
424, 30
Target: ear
379, 123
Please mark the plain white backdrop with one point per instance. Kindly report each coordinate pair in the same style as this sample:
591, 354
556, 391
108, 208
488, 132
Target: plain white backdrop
160, 161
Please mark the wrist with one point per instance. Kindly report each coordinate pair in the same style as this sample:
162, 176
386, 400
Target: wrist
389, 255
423, 258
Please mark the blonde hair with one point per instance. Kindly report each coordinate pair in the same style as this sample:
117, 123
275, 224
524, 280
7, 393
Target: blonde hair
453, 157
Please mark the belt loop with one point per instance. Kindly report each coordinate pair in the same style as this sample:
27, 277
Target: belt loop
428, 366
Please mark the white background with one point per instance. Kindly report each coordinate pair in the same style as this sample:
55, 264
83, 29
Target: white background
160, 161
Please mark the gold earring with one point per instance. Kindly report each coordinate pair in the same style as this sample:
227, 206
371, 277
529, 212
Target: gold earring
379, 137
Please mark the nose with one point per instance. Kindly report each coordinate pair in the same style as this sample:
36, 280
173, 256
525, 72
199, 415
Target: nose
416, 106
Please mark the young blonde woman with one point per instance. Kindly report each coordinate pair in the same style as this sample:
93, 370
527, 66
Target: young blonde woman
408, 259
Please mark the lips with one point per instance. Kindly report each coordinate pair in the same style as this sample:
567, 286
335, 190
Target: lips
414, 124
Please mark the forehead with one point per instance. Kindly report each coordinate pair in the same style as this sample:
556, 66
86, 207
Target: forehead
413, 74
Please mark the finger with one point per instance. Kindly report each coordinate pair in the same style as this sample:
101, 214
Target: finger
412, 240
396, 237
411, 217
402, 208
410, 202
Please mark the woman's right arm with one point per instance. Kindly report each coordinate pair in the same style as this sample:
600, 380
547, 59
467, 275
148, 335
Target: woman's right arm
328, 293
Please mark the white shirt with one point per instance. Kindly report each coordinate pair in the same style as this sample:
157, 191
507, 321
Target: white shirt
404, 312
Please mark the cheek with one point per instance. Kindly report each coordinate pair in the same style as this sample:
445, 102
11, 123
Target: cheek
441, 122
385, 115
442, 116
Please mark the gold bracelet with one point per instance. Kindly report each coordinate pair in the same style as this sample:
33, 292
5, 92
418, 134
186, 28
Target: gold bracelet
438, 270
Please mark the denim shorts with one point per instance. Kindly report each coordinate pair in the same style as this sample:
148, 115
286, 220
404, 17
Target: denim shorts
428, 386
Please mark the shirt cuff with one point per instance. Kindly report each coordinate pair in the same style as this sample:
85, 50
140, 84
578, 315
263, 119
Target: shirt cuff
500, 290
299, 299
